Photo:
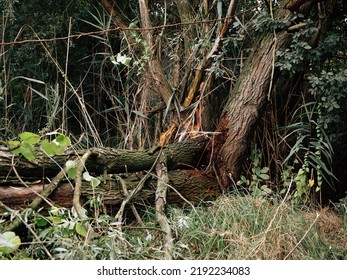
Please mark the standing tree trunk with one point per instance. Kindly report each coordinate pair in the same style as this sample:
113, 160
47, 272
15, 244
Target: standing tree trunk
246, 102
252, 91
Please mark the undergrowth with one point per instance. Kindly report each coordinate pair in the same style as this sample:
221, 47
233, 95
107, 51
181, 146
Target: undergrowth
234, 226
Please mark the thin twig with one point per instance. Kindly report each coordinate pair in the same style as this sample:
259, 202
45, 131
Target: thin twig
136, 189
38, 200
132, 206
78, 185
77, 36
139, 186
304, 236
27, 226
26, 185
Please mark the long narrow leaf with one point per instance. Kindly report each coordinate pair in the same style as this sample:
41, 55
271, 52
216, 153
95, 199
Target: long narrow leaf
296, 148
28, 79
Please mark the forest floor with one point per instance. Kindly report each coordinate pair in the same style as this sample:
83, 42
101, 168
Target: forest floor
244, 227
234, 226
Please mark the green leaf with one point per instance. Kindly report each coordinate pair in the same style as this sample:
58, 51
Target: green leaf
56, 220
71, 173
53, 148
71, 169
29, 137
49, 148
264, 176
63, 140
266, 189
28, 151
55, 211
264, 170
95, 182
57, 146
59, 150
13, 144
80, 229
9, 242
41, 222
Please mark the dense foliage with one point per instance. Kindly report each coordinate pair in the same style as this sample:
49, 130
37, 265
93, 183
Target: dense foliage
233, 227
83, 70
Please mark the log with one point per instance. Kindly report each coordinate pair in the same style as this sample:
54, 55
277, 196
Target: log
191, 185
111, 166
180, 155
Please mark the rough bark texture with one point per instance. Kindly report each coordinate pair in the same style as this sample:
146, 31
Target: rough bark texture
183, 154
252, 91
112, 164
189, 184
246, 102
156, 78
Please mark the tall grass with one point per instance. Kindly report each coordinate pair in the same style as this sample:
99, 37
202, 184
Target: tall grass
235, 226
244, 227
76, 87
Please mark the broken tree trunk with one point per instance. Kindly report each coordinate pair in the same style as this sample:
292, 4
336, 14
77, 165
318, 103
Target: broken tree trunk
191, 185
180, 155
129, 167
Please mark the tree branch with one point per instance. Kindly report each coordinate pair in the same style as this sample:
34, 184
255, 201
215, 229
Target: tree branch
160, 202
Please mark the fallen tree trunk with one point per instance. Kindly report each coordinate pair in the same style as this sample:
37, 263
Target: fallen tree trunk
113, 168
190, 185
113, 161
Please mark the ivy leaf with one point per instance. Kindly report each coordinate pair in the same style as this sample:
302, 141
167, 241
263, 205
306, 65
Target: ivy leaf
59, 149
28, 151
9, 242
29, 137
95, 182
71, 169
50, 148
63, 140
80, 229
57, 146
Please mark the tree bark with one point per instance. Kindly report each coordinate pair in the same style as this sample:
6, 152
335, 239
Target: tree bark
190, 185
113, 166
246, 102
180, 155
250, 94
